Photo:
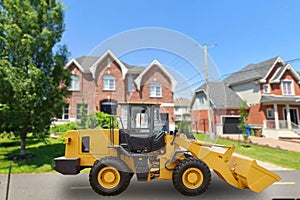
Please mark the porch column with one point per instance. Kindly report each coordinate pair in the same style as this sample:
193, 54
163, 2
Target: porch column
276, 116
288, 116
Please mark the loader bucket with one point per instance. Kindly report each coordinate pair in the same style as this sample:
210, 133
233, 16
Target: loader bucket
251, 175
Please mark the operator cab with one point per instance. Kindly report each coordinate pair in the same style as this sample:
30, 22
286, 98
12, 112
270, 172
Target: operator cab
142, 131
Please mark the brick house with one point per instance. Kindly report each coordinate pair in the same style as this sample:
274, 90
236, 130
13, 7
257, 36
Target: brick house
272, 91
224, 105
100, 83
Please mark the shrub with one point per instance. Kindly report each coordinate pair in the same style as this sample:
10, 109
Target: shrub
62, 128
183, 126
101, 119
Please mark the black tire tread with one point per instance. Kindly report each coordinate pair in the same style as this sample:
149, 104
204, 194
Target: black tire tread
181, 167
114, 162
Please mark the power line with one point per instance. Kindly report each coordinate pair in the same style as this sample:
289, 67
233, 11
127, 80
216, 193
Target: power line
228, 74
293, 60
254, 69
196, 83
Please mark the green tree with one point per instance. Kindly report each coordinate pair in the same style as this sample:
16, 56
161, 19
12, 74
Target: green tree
103, 119
85, 121
33, 80
243, 119
183, 126
96, 120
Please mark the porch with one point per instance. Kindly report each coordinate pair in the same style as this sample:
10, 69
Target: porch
281, 116
282, 124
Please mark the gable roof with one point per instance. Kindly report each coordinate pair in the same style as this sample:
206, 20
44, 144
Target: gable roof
138, 80
280, 71
222, 96
83, 63
108, 53
253, 72
89, 64
134, 69
86, 62
75, 62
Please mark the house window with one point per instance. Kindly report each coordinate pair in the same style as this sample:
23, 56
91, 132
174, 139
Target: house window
108, 82
65, 114
130, 84
266, 88
287, 87
81, 109
74, 86
155, 89
270, 113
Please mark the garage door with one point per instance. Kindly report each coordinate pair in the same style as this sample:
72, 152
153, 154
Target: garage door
230, 125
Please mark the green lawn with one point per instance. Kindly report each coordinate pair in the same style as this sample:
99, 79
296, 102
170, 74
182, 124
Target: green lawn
278, 157
40, 155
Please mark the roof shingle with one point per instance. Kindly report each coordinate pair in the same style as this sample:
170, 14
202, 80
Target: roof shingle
251, 72
222, 96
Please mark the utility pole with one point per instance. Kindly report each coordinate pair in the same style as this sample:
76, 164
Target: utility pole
211, 135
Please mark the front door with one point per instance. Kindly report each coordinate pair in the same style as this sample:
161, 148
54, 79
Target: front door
108, 107
294, 115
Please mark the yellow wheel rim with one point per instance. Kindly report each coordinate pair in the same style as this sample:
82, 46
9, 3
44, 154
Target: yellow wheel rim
192, 178
109, 177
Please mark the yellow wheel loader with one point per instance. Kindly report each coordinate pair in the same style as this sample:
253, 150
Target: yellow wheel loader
141, 146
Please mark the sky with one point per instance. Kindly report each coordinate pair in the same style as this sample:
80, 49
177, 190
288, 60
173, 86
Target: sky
236, 32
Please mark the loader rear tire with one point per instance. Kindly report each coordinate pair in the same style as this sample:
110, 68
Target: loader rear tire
191, 177
109, 176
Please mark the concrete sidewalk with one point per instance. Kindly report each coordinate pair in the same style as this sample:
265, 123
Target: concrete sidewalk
274, 143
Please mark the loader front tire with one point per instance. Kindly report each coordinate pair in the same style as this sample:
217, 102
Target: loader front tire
191, 177
109, 176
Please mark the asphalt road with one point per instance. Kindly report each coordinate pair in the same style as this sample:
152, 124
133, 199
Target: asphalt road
59, 187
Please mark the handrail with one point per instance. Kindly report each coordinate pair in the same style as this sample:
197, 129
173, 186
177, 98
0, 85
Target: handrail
271, 124
295, 125
297, 129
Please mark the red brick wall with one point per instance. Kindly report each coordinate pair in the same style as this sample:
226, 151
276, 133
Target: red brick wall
83, 93
201, 117
156, 75
287, 75
256, 114
119, 93
276, 87
199, 120
91, 90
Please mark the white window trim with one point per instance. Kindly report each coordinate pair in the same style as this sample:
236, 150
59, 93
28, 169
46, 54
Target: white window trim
74, 87
267, 113
268, 88
63, 112
112, 78
154, 94
292, 86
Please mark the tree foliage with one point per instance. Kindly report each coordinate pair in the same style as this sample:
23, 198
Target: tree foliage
243, 119
32, 76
